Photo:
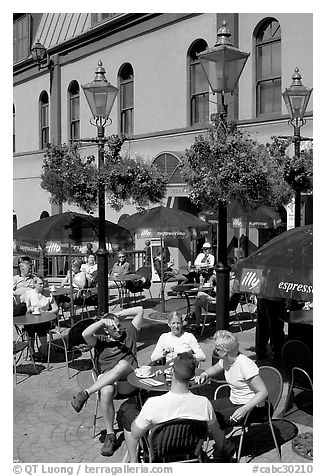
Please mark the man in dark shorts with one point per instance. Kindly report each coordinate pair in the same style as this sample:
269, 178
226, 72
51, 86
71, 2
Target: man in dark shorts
116, 357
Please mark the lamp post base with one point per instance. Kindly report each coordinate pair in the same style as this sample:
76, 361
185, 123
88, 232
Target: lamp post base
102, 279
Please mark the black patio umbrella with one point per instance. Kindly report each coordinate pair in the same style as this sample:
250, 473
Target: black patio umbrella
282, 268
240, 216
163, 222
71, 227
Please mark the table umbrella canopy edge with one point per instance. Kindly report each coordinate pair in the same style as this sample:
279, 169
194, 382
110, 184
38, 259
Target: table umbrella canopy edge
70, 226
243, 216
165, 222
282, 268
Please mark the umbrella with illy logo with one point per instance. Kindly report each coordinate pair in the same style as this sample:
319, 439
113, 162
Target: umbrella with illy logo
282, 268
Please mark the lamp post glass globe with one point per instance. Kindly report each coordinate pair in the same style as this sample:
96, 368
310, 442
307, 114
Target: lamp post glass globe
223, 64
100, 94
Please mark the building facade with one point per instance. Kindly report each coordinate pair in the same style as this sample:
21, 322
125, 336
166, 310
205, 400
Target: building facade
164, 99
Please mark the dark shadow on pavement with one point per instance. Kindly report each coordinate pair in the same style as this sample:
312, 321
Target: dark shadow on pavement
259, 440
28, 369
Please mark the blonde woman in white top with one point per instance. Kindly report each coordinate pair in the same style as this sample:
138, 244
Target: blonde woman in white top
242, 374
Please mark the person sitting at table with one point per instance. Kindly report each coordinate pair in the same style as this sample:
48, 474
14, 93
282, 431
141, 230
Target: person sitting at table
205, 258
242, 374
115, 349
90, 269
78, 276
202, 301
79, 282
168, 271
179, 402
203, 264
24, 281
172, 343
120, 268
36, 300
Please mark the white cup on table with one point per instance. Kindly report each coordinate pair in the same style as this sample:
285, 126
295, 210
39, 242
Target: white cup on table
145, 370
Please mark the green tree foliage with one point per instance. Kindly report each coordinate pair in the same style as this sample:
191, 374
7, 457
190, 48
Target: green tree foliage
226, 164
297, 171
71, 178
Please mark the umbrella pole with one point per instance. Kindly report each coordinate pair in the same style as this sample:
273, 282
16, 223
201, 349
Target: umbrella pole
71, 287
162, 274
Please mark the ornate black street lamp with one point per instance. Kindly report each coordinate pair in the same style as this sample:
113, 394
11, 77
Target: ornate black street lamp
223, 65
40, 55
296, 99
100, 95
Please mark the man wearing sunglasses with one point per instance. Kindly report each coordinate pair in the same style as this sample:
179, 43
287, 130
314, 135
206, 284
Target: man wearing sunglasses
115, 351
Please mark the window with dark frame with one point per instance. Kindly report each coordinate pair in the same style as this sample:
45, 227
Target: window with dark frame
169, 165
268, 68
127, 100
74, 111
199, 87
44, 120
21, 37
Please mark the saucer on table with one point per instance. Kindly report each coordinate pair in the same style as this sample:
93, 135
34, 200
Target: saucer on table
139, 375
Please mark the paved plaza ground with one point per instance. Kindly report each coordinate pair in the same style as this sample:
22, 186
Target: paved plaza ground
47, 430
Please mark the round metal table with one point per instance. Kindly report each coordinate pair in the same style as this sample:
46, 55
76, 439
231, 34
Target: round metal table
30, 318
138, 382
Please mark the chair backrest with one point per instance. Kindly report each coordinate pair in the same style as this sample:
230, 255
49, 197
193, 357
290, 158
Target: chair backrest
234, 301
145, 271
295, 353
177, 440
75, 337
273, 380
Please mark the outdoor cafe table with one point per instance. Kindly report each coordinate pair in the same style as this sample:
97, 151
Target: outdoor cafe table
195, 271
30, 318
33, 319
187, 290
120, 280
57, 292
138, 382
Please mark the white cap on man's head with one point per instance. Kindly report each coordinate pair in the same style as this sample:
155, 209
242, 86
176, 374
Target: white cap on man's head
206, 245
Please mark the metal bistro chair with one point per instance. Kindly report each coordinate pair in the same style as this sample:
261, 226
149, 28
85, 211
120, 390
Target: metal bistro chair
180, 440
20, 344
297, 361
233, 305
69, 342
274, 384
138, 285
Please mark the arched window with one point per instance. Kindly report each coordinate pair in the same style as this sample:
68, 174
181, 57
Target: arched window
74, 111
126, 80
169, 165
199, 87
268, 67
44, 119
14, 129
44, 214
